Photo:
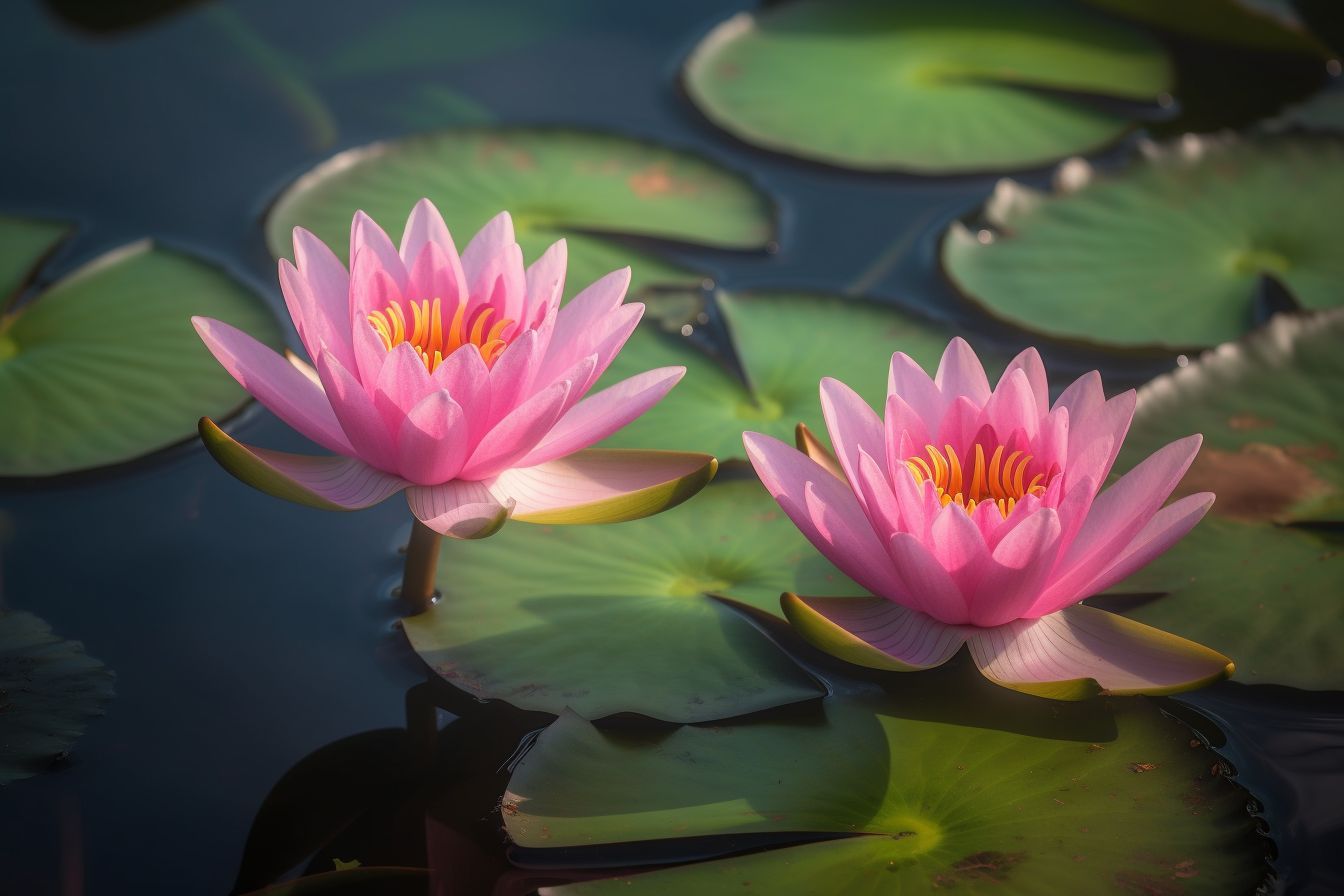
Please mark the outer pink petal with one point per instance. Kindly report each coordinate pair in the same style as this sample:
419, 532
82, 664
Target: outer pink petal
873, 631
1019, 568
603, 485
467, 378
328, 483
1168, 526
369, 436
906, 432
1083, 396
319, 326
584, 313
844, 536
852, 425
1029, 362
621, 324
928, 587
486, 244
367, 236
956, 543
274, 382
1078, 652
908, 380
1013, 406
545, 283
518, 433
372, 288
1122, 510
960, 373
599, 415
401, 384
512, 377
431, 442
458, 509
876, 496
1106, 425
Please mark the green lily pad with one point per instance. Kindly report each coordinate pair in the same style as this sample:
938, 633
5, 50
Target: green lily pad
588, 188
784, 343
49, 690
1322, 112
1259, 24
929, 805
104, 366
610, 619
958, 85
1170, 252
26, 242
1252, 581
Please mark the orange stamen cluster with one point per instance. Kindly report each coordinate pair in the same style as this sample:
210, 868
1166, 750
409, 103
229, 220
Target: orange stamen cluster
432, 339
1002, 480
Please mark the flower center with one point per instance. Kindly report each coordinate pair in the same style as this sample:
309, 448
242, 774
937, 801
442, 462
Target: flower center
1002, 480
432, 339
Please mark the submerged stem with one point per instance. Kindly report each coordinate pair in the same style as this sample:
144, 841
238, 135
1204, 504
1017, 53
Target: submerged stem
422, 562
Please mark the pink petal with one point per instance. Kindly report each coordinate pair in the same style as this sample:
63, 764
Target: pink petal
371, 289
367, 236
1083, 396
274, 382
1071, 654
852, 425
919, 506
518, 433
431, 441
486, 244
1168, 526
402, 383
801, 488
956, 543
960, 374
908, 380
584, 313
466, 377
425, 227
1119, 512
1108, 425
906, 432
326, 277
1013, 406
913, 639
502, 284
369, 436
458, 509
369, 350
928, 587
876, 496
960, 424
545, 283
621, 325
320, 327
599, 415
328, 483
603, 485
512, 377
1015, 575
1029, 362
436, 275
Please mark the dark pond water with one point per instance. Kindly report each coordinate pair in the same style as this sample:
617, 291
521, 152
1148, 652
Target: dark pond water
247, 633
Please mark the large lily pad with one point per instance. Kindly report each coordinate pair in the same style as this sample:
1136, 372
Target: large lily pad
1260, 580
104, 366
610, 619
25, 242
784, 343
932, 87
1172, 251
588, 188
49, 690
1260, 24
930, 805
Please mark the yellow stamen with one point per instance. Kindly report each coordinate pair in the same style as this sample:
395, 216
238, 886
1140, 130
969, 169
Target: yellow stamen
1001, 482
427, 335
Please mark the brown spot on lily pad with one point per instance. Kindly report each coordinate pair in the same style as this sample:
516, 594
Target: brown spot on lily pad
1258, 482
1244, 422
656, 180
990, 865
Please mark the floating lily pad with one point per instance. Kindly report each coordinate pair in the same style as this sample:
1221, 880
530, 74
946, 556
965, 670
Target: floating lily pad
1250, 581
609, 619
1260, 24
1322, 112
931, 87
104, 366
588, 188
49, 690
25, 243
930, 805
784, 343
1170, 252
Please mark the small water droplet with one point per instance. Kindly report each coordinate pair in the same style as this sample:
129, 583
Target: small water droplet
702, 318
687, 329
1182, 361
707, 283
1165, 100
984, 237
1333, 68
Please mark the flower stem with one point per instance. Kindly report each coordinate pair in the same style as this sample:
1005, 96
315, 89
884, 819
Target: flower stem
422, 562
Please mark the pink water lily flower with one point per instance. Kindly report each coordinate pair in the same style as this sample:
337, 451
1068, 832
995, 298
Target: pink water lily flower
976, 517
457, 379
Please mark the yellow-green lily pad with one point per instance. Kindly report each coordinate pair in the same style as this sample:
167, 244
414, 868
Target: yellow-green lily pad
1169, 252
103, 365
957, 85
